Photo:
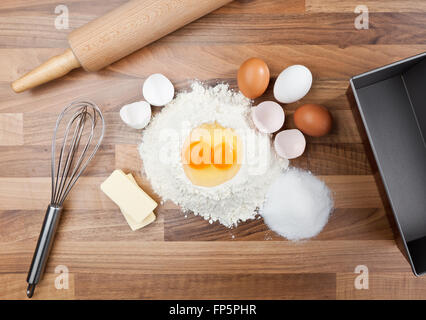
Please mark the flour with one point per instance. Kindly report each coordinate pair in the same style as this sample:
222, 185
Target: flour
229, 203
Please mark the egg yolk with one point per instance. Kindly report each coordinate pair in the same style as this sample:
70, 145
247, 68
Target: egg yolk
198, 155
211, 155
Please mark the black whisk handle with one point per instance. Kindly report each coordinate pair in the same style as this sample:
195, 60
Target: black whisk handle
44, 244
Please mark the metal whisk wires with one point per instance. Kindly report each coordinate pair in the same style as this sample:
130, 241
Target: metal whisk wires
75, 152
83, 135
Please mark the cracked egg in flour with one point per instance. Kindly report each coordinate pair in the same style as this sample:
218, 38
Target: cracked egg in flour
212, 155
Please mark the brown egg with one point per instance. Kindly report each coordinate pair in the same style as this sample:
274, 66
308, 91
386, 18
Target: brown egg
313, 120
253, 78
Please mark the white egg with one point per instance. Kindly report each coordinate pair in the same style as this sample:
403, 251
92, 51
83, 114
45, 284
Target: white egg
290, 144
136, 115
158, 90
268, 116
292, 84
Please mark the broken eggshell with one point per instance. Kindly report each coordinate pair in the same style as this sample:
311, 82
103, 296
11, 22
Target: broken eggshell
158, 90
136, 115
290, 144
268, 116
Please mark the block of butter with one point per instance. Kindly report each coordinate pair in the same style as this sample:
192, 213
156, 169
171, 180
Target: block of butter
128, 196
133, 224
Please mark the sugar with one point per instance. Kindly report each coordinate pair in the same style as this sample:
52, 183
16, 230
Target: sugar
297, 205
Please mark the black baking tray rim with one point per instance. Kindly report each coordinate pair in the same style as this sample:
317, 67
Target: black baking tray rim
389, 105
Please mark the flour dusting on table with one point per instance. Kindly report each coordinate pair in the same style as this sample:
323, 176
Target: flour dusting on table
229, 203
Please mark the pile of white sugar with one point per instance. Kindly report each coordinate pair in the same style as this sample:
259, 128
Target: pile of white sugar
297, 205
232, 202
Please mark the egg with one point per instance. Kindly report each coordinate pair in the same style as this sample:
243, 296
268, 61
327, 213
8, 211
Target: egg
211, 155
253, 78
136, 115
268, 116
313, 120
158, 90
292, 84
289, 144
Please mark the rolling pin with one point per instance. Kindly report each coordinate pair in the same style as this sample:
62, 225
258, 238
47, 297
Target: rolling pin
117, 34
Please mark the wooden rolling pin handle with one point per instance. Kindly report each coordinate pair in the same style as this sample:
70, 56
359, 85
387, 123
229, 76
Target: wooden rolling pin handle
53, 68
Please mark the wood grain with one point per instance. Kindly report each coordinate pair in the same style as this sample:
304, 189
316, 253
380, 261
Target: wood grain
335, 28
34, 193
14, 287
372, 5
210, 286
52, 69
183, 256
319, 158
38, 129
211, 257
211, 61
11, 129
34, 161
344, 224
78, 225
382, 285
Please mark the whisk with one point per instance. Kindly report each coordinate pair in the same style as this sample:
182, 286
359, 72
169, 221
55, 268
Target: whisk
78, 147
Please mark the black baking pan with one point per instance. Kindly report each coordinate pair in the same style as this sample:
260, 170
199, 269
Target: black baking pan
389, 106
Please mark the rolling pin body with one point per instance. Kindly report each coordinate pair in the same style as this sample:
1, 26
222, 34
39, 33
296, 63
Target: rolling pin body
117, 34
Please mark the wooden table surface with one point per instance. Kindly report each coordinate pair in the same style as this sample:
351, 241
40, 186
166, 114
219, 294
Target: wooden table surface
187, 258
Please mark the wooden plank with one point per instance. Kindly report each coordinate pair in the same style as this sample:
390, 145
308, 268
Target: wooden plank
357, 224
34, 193
11, 129
78, 225
38, 129
210, 257
220, 61
212, 286
382, 286
204, 62
373, 5
309, 28
127, 159
106, 93
336, 159
35, 30
344, 224
266, 7
46, 7
319, 158
35, 161
14, 286
81, 8
353, 191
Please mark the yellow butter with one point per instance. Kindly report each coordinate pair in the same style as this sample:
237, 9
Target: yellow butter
128, 196
133, 224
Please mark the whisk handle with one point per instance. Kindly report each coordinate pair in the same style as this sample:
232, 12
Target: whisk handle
44, 244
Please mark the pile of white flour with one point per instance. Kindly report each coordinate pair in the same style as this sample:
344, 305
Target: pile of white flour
232, 202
